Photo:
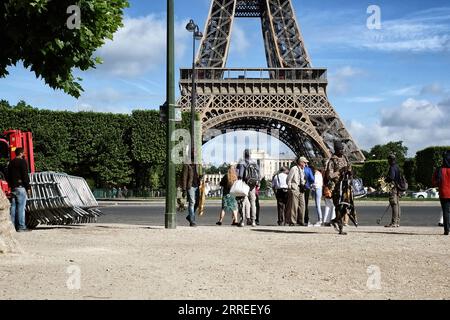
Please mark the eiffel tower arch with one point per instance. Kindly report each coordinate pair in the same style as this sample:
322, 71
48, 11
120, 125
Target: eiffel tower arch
288, 97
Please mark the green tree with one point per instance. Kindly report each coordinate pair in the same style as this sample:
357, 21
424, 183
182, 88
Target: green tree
37, 33
374, 170
263, 185
410, 169
427, 161
381, 152
155, 180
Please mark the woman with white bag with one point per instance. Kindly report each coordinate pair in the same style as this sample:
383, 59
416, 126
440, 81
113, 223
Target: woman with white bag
241, 191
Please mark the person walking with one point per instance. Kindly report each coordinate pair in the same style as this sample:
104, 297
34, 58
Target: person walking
393, 178
317, 189
190, 185
279, 184
249, 172
19, 182
337, 167
441, 179
296, 182
229, 203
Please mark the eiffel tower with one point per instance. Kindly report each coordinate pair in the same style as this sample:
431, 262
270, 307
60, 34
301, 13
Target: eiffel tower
287, 99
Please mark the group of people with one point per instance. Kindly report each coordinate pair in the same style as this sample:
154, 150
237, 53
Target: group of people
294, 186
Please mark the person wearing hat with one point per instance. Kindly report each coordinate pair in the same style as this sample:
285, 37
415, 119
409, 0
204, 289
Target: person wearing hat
393, 177
296, 182
337, 166
309, 177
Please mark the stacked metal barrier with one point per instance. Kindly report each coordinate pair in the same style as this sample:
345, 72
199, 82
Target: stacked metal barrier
60, 199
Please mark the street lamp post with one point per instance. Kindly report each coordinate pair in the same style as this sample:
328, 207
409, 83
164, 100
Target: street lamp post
196, 35
170, 215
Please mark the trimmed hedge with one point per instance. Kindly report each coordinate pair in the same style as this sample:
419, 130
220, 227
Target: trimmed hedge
427, 161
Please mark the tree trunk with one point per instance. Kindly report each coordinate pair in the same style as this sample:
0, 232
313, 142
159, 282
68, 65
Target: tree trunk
8, 243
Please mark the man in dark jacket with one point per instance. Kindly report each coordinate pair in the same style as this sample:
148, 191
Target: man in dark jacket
19, 182
441, 179
393, 177
190, 185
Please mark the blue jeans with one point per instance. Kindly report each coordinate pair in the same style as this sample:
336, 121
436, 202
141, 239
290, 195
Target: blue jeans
446, 210
19, 202
192, 198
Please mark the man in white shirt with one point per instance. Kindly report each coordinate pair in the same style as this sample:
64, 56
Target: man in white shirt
296, 191
279, 184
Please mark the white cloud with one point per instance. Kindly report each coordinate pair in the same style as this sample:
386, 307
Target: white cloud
419, 123
339, 80
239, 41
365, 99
140, 46
407, 91
423, 31
433, 89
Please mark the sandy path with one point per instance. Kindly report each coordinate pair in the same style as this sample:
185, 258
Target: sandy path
129, 262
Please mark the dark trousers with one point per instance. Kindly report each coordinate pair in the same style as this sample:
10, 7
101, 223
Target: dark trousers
446, 210
306, 218
282, 199
257, 209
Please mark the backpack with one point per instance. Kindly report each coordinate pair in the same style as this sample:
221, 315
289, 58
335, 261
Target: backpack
402, 184
251, 175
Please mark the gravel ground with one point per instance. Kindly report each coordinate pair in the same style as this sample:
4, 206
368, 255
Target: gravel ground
275, 263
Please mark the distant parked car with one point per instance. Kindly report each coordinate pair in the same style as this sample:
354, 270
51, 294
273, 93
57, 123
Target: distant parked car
431, 193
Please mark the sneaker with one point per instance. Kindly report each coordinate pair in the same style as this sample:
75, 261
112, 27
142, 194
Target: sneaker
310, 225
253, 224
193, 224
446, 233
24, 230
219, 223
441, 225
242, 225
318, 224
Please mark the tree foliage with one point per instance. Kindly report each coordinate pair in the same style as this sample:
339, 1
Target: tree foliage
381, 152
427, 161
36, 32
374, 170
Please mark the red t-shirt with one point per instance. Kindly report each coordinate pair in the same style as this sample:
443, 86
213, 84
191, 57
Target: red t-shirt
444, 186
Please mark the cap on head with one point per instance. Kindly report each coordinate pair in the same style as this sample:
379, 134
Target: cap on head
392, 157
303, 159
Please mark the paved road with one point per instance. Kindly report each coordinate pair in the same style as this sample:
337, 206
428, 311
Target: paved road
153, 215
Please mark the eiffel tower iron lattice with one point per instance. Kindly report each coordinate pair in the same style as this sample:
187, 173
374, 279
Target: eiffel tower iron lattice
289, 97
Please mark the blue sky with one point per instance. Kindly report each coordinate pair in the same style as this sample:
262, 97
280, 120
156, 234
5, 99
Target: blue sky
388, 84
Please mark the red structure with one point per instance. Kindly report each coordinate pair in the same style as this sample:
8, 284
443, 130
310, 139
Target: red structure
9, 142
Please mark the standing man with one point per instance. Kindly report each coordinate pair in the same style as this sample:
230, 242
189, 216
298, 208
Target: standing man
190, 185
279, 184
296, 182
393, 177
248, 171
336, 169
441, 179
309, 176
19, 182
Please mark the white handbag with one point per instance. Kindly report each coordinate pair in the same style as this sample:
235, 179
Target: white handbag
240, 189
